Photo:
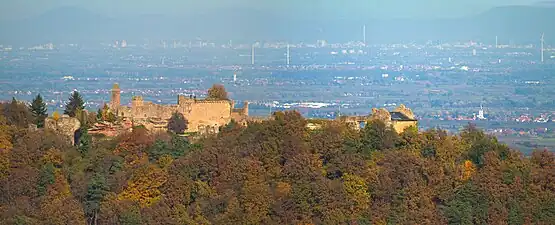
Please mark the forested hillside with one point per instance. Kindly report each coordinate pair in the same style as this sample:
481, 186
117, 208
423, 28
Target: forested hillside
273, 172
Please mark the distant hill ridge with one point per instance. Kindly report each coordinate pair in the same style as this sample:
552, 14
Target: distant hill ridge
517, 23
545, 4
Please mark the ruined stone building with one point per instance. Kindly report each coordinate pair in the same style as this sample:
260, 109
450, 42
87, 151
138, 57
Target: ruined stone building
401, 118
65, 126
202, 115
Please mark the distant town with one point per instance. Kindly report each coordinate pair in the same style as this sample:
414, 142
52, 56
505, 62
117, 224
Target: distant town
446, 84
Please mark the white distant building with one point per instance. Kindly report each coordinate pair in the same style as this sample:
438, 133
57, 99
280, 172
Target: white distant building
321, 43
124, 44
481, 113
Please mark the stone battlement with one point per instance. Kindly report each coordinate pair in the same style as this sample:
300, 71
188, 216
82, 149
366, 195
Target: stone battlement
200, 113
401, 118
212, 101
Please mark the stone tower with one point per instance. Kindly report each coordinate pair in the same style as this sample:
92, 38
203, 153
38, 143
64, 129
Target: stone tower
115, 101
246, 108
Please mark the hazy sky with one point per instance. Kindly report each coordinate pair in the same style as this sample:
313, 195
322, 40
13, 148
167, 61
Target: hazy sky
14, 9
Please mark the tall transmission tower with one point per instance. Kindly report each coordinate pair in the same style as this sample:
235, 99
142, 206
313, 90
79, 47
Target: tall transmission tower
252, 54
288, 55
542, 49
364, 35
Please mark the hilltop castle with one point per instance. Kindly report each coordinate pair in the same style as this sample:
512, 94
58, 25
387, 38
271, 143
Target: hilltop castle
206, 116
202, 115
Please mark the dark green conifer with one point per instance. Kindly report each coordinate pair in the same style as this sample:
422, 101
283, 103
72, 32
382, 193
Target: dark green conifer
39, 111
74, 105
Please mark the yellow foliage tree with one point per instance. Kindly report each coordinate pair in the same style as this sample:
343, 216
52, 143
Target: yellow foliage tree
135, 160
468, 169
165, 161
448, 150
5, 147
4, 163
255, 200
357, 193
283, 189
53, 156
5, 135
56, 115
143, 187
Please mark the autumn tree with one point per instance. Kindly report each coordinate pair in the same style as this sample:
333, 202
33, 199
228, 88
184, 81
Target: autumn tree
5, 147
38, 109
177, 123
74, 105
143, 187
105, 114
217, 92
275, 171
18, 114
57, 205
55, 115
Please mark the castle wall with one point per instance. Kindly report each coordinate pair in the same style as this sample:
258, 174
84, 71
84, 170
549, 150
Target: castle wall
65, 126
401, 126
208, 113
201, 114
148, 110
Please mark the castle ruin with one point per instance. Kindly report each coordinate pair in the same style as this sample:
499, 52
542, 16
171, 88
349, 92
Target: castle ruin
203, 116
400, 119
65, 126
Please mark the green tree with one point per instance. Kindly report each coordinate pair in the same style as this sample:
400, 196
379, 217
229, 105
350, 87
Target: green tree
99, 114
467, 206
46, 177
377, 136
96, 191
131, 216
176, 147
38, 109
105, 114
74, 105
177, 123
85, 141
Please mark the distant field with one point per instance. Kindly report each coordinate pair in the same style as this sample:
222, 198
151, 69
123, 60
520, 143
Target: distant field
524, 144
528, 144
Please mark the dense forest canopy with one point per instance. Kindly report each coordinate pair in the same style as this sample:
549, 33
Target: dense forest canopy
271, 172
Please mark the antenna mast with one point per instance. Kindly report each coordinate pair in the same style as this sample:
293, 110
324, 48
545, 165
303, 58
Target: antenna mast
496, 43
252, 54
288, 55
542, 50
364, 34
